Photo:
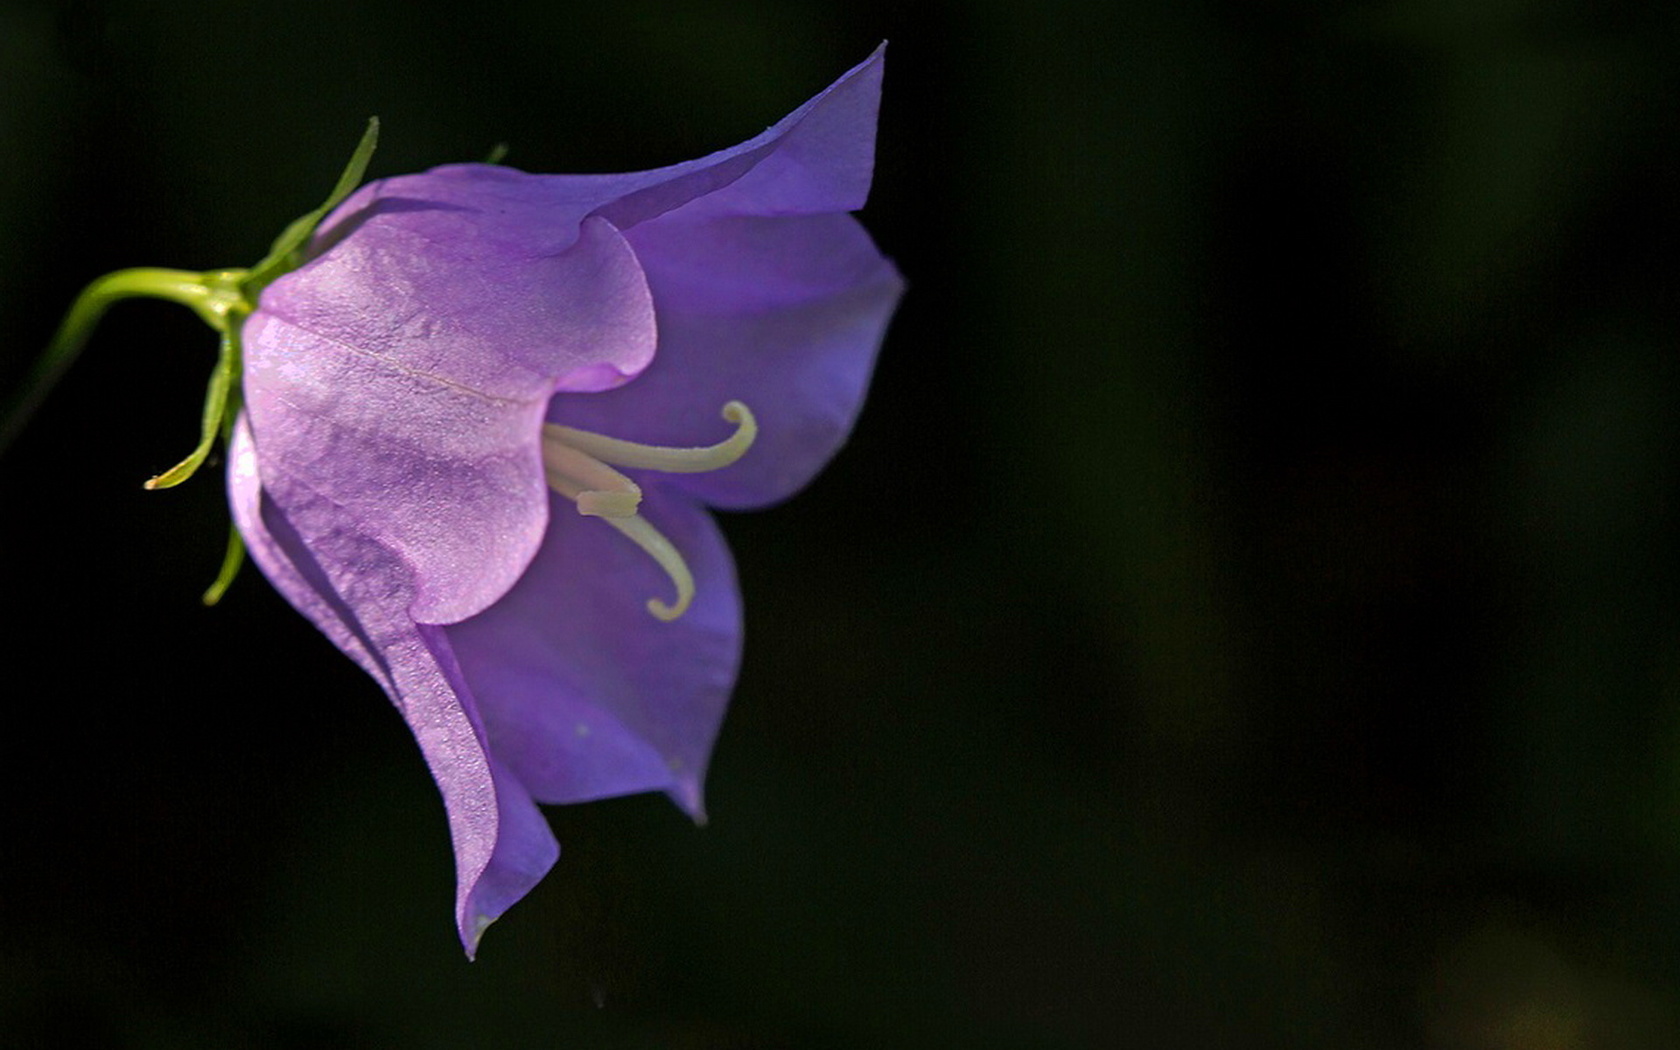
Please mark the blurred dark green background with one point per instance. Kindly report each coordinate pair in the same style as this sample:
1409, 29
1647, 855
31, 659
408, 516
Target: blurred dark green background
1244, 618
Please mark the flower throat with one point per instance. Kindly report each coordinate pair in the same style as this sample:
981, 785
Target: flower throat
580, 465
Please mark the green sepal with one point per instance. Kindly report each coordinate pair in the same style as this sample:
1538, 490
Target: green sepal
284, 256
232, 561
213, 422
223, 299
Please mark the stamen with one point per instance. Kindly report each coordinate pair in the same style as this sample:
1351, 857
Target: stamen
666, 460
576, 463
642, 533
597, 489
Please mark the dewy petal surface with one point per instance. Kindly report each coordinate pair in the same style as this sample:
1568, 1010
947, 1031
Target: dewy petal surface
357, 594
408, 391
585, 695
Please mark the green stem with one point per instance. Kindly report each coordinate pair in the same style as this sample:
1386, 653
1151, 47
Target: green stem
224, 299
179, 286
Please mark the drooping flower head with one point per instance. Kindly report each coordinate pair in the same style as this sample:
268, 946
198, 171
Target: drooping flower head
482, 424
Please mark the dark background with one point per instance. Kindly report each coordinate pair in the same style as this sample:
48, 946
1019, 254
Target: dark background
1244, 617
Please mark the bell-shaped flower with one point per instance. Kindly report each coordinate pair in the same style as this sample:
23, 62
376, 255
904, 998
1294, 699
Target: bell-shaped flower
484, 420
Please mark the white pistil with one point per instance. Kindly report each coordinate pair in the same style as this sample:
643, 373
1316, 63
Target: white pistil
597, 489
579, 465
661, 550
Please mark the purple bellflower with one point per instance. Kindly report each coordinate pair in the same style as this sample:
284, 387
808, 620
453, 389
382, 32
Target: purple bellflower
481, 430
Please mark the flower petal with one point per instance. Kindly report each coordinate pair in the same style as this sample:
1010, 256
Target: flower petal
785, 314
583, 693
819, 158
356, 592
408, 389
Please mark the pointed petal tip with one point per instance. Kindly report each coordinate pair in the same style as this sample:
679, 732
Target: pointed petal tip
472, 931
689, 795
872, 64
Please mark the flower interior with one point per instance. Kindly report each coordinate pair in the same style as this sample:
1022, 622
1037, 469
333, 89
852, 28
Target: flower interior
580, 465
